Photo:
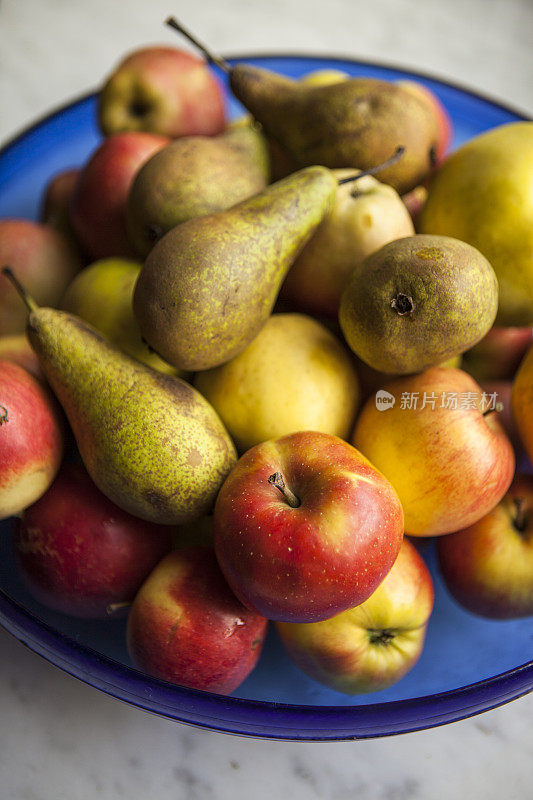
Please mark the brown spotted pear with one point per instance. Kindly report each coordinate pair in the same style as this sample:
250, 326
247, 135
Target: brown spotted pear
209, 285
417, 302
150, 441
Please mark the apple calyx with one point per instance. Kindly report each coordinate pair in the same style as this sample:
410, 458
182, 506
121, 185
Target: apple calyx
380, 636
521, 518
276, 479
402, 304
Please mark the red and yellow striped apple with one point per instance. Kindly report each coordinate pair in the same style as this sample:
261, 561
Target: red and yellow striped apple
305, 527
449, 465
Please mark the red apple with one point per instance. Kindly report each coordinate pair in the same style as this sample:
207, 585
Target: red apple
78, 552
414, 202
98, 206
371, 646
186, 627
44, 261
305, 527
488, 567
55, 208
449, 463
498, 355
162, 90
16, 348
31, 439
443, 119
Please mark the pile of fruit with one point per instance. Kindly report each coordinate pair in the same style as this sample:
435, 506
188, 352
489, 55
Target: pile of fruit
245, 377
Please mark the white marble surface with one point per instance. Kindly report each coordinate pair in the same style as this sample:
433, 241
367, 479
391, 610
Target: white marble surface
61, 739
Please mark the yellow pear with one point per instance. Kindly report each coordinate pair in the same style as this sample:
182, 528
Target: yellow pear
294, 376
483, 194
101, 294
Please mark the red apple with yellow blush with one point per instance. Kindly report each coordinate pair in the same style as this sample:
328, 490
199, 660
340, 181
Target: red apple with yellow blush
31, 439
78, 552
305, 527
187, 627
98, 204
162, 90
488, 567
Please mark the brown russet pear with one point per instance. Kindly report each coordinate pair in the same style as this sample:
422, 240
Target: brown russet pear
418, 301
209, 285
353, 123
348, 123
193, 176
151, 443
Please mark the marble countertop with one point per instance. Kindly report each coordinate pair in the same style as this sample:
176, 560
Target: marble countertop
62, 739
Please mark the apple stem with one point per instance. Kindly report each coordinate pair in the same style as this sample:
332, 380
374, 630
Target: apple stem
277, 480
172, 22
520, 517
114, 608
30, 302
398, 153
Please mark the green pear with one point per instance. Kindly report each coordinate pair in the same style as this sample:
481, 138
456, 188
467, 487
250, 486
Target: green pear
209, 285
418, 301
102, 295
150, 442
352, 123
483, 194
194, 176
295, 375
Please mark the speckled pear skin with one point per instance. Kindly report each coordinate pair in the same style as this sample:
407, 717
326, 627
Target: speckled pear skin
193, 176
355, 123
150, 442
417, 302
209, 285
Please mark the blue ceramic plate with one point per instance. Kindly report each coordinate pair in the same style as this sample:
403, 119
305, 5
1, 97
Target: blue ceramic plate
468, 665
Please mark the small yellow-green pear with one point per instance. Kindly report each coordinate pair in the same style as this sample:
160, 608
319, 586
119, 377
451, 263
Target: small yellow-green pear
101, 294
294, 376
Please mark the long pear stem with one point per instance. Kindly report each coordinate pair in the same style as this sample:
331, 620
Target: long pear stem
172, 22
10, 275
373, 170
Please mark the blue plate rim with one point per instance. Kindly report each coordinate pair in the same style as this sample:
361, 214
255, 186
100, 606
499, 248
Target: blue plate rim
344, 722
464, 89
